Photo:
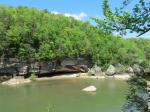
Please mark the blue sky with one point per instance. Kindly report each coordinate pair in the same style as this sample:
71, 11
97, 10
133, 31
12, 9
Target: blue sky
80, 9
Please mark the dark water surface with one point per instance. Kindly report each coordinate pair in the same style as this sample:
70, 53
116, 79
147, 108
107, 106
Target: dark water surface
66, 95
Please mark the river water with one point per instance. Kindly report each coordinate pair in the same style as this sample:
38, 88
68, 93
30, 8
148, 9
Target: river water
65, 95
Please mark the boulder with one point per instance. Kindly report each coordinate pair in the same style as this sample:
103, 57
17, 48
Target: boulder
91, 71
84, 67
96, 70
130, 70
147, 70
16, 81
111, 70
136, 68
90, 89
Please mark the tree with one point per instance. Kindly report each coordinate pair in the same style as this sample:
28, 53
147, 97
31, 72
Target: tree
30, 34
137, 20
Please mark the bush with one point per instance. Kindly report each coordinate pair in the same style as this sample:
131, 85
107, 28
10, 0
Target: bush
122, 69
33, 77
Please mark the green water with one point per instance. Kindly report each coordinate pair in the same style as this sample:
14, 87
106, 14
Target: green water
65, 95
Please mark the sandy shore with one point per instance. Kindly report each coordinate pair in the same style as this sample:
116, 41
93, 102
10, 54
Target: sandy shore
21, 80
69, 77
124, 76
16, 81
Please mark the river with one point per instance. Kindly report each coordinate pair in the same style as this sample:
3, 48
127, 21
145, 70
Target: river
65, 95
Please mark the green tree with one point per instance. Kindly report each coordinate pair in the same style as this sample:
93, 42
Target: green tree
137, 20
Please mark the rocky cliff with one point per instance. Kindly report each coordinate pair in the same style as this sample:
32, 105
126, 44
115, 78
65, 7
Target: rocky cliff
13, 67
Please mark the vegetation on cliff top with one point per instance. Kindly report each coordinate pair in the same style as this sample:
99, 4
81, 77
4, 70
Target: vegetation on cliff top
31, 34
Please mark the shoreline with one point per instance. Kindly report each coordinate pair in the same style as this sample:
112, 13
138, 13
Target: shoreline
21, 80
117, 76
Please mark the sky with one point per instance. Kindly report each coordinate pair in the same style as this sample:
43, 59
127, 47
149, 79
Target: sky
79, 9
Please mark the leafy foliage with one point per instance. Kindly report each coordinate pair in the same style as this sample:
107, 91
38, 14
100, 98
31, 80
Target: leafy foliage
33, 77
31, 34
137, 96
137, 20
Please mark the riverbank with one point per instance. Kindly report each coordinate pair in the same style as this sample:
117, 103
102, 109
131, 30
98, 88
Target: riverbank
79, 75
21, 80
84, 76
16, 81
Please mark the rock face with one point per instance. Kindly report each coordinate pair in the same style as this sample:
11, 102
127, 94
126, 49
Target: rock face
22, 70
68, 61
111, 70
8, 70
90, 89
136, 68
14, 67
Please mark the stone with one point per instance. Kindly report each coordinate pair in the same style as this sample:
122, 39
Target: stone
111, 70
16, 81
147, 70
130, 70
136, 68
91, 71
96, 70
84, 67
90, 89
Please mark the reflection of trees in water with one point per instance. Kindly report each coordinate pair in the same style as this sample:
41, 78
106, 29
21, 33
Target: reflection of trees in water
136, 99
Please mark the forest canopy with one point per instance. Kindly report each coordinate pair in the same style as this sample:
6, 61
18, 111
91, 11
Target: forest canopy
31, 34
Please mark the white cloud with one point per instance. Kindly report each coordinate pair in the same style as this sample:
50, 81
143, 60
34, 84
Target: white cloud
79, 16
55, 12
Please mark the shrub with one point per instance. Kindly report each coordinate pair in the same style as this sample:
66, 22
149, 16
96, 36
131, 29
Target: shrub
33, 77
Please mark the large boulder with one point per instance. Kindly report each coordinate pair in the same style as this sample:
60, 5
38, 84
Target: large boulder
147, 70
111, 70
136, 68
90, 89
130, 70
16, 81
96, 70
